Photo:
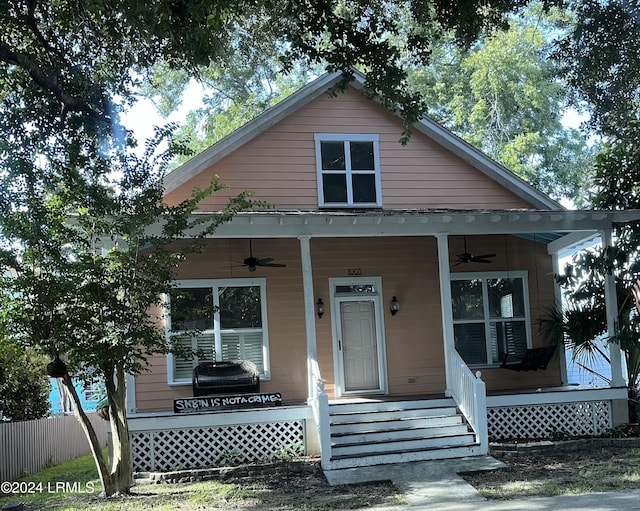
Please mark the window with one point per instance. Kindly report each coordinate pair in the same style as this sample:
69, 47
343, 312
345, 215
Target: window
490, 316
230, 319
348, 170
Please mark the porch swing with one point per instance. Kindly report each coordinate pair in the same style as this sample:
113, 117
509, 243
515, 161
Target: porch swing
534, 358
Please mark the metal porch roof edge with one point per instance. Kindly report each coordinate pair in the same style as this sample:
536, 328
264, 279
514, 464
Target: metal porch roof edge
542, 225
314, 89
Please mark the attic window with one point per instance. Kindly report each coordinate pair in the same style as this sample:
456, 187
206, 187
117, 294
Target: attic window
348, 170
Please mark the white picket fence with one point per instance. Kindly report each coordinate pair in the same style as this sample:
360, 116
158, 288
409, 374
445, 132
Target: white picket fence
30, 446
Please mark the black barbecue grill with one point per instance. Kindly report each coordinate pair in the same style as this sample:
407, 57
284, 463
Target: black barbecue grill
227, 377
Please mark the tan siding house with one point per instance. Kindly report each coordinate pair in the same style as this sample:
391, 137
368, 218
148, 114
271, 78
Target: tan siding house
380, 297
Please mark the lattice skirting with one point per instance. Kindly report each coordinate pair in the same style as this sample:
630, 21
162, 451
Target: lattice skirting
201, 447
590, 418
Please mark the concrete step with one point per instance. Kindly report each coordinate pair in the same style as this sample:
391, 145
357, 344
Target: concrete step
386, 415
395, 424
397, 435
358, 405
420, 444
337, 463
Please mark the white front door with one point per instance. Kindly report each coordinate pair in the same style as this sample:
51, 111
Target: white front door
359, 345
358, 336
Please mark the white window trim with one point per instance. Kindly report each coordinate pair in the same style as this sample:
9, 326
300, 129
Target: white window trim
349, 137
215, 284
484, 276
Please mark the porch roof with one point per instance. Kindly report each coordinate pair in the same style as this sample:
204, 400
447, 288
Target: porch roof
558, 229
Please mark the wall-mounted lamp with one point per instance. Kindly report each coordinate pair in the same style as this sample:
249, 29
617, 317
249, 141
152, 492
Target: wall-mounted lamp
320, 307
395, 306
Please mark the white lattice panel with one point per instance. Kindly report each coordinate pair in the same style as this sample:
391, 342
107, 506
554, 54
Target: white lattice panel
538, 421
190, 448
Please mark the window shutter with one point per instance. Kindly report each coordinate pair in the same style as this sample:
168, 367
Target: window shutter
183, 368
206, 343
244, 346
470, 342
253, 349
231, 347
516, 338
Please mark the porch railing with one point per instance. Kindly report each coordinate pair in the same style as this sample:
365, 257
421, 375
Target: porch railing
470, 394
319, 402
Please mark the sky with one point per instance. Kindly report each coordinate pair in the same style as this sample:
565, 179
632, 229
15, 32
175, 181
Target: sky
144, 116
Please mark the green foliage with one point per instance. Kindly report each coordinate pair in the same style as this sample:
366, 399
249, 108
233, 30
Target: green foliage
231, 458
92, 254
24, 385
506, 96
72, 60
616, 187
602, 61
232, 94
559, 435
288, 452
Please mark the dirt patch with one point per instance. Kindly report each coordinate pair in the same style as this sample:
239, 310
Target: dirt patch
563, 468
297, 485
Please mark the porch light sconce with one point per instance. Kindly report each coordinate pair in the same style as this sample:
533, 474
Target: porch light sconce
395, 306
320, 307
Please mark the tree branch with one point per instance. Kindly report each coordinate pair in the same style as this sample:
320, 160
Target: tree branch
50, 84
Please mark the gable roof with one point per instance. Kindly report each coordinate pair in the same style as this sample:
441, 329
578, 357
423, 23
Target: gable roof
321, 85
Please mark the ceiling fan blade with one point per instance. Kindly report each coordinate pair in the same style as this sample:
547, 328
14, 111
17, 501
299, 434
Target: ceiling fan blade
262, 262
273, 265
481, 261
485, 256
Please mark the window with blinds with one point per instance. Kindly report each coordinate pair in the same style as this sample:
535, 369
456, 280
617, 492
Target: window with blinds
490, 316
217, 320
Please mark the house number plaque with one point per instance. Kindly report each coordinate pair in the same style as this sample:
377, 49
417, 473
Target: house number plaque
354, 271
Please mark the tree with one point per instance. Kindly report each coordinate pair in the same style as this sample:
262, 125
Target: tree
90, 289
505, 95
85, 55
232, 94
585, 320
603, 67
601, 56
24, 386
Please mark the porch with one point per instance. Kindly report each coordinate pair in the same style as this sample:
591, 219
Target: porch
367, 430
423, 331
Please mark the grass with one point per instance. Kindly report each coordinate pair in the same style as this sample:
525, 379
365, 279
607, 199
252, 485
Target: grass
48, 486
541, 474
277, 492
551, 474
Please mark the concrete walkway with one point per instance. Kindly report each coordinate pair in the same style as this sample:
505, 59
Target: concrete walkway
436, 486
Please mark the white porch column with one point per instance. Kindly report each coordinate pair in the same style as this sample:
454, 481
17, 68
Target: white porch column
309, 309
445, 299
615, 354
557, 292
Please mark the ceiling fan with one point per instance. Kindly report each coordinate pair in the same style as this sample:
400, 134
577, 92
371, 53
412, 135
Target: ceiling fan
254, 262
467, 257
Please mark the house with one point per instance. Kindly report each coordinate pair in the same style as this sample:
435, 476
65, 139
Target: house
61, 403
378, 298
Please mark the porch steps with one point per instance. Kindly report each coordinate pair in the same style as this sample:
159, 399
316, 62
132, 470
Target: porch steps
373, 432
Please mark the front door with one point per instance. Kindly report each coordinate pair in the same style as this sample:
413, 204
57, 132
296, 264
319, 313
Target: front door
359, 345
358, 336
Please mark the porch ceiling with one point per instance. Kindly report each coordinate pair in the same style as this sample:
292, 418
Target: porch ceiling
549, 225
